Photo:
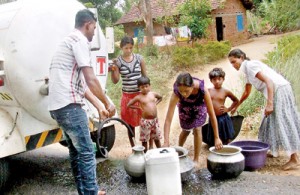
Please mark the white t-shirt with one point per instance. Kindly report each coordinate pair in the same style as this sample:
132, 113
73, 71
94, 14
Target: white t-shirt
251, 68
66, 80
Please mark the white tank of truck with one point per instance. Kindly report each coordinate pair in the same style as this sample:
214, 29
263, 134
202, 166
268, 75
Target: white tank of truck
30, 31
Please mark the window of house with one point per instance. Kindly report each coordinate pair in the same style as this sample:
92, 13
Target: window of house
240, 22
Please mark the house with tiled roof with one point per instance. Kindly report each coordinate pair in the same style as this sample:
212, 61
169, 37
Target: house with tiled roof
229, 19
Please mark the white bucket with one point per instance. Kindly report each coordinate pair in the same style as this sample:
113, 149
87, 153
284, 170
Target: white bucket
163, 172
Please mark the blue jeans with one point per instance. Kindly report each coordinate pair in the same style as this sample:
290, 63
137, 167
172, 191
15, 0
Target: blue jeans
73, 121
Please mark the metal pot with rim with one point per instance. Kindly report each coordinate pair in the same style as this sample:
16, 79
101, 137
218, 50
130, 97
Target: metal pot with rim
227, 162
186, 164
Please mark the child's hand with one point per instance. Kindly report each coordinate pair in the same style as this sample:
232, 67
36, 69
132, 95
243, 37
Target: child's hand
218, 143
223, 109
233, 111
113, 68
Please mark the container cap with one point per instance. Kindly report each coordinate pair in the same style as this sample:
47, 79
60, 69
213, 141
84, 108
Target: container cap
161, 156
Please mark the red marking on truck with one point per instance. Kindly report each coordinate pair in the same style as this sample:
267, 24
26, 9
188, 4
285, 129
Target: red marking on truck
101, 65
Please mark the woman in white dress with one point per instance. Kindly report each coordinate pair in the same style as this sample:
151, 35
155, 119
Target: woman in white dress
282, 131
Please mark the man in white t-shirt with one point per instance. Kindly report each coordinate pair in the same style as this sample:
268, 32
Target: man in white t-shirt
71, 80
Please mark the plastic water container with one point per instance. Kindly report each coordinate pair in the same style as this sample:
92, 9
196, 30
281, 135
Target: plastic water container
163, 172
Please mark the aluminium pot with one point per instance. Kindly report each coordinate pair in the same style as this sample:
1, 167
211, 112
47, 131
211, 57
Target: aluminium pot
227, 162
186, 164
135, 164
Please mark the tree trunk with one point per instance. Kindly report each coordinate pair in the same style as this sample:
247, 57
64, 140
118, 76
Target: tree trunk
145, 8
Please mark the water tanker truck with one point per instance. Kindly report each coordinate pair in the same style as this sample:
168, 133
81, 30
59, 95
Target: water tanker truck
30, 31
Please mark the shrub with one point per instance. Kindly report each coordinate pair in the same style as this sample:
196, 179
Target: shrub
188, 57
183, 57
286, 48
150, 50
215, 50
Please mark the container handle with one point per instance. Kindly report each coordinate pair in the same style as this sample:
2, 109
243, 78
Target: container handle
164, 151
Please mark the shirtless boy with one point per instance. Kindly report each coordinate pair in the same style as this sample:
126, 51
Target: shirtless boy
218, 96
149, 125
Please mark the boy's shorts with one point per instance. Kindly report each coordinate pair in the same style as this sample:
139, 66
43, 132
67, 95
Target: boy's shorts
149, 128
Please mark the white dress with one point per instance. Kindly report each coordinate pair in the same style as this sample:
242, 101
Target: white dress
282, 131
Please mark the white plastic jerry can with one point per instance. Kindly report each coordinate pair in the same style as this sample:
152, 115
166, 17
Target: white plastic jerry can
163, 172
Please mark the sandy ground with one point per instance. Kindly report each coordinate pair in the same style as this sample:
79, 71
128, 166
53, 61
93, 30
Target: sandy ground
256, 48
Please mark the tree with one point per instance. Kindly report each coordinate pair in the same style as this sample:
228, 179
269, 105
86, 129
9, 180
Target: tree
145, 8
126, 6
170, 19
196, 15
108, 14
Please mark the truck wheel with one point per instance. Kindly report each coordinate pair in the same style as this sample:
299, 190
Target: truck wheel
107, 139
4, 173
63, 143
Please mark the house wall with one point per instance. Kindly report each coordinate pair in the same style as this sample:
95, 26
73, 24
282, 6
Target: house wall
129, 28
229, 13
157, 28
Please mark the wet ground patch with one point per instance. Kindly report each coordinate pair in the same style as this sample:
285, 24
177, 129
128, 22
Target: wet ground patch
35, 174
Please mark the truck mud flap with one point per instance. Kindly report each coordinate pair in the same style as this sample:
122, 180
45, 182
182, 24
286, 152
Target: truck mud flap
43, 139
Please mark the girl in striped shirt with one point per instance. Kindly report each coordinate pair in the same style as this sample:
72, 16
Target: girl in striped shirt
130, 67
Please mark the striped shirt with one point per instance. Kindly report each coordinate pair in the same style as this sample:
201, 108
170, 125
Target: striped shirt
66, 80
130, 73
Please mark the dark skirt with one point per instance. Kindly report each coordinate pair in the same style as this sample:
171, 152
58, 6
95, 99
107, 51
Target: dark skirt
226, 130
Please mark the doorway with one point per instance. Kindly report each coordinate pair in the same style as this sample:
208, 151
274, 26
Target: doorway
219, 26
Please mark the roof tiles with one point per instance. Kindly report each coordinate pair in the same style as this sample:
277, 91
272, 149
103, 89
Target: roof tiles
158, 8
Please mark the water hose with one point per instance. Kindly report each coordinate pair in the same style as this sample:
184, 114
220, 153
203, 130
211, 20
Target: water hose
102, 150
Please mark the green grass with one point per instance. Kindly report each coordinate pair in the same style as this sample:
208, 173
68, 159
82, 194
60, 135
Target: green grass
291, 71
285, 59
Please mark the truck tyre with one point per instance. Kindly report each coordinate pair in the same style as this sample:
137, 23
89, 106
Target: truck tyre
64, 143
107, 139
4, 173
